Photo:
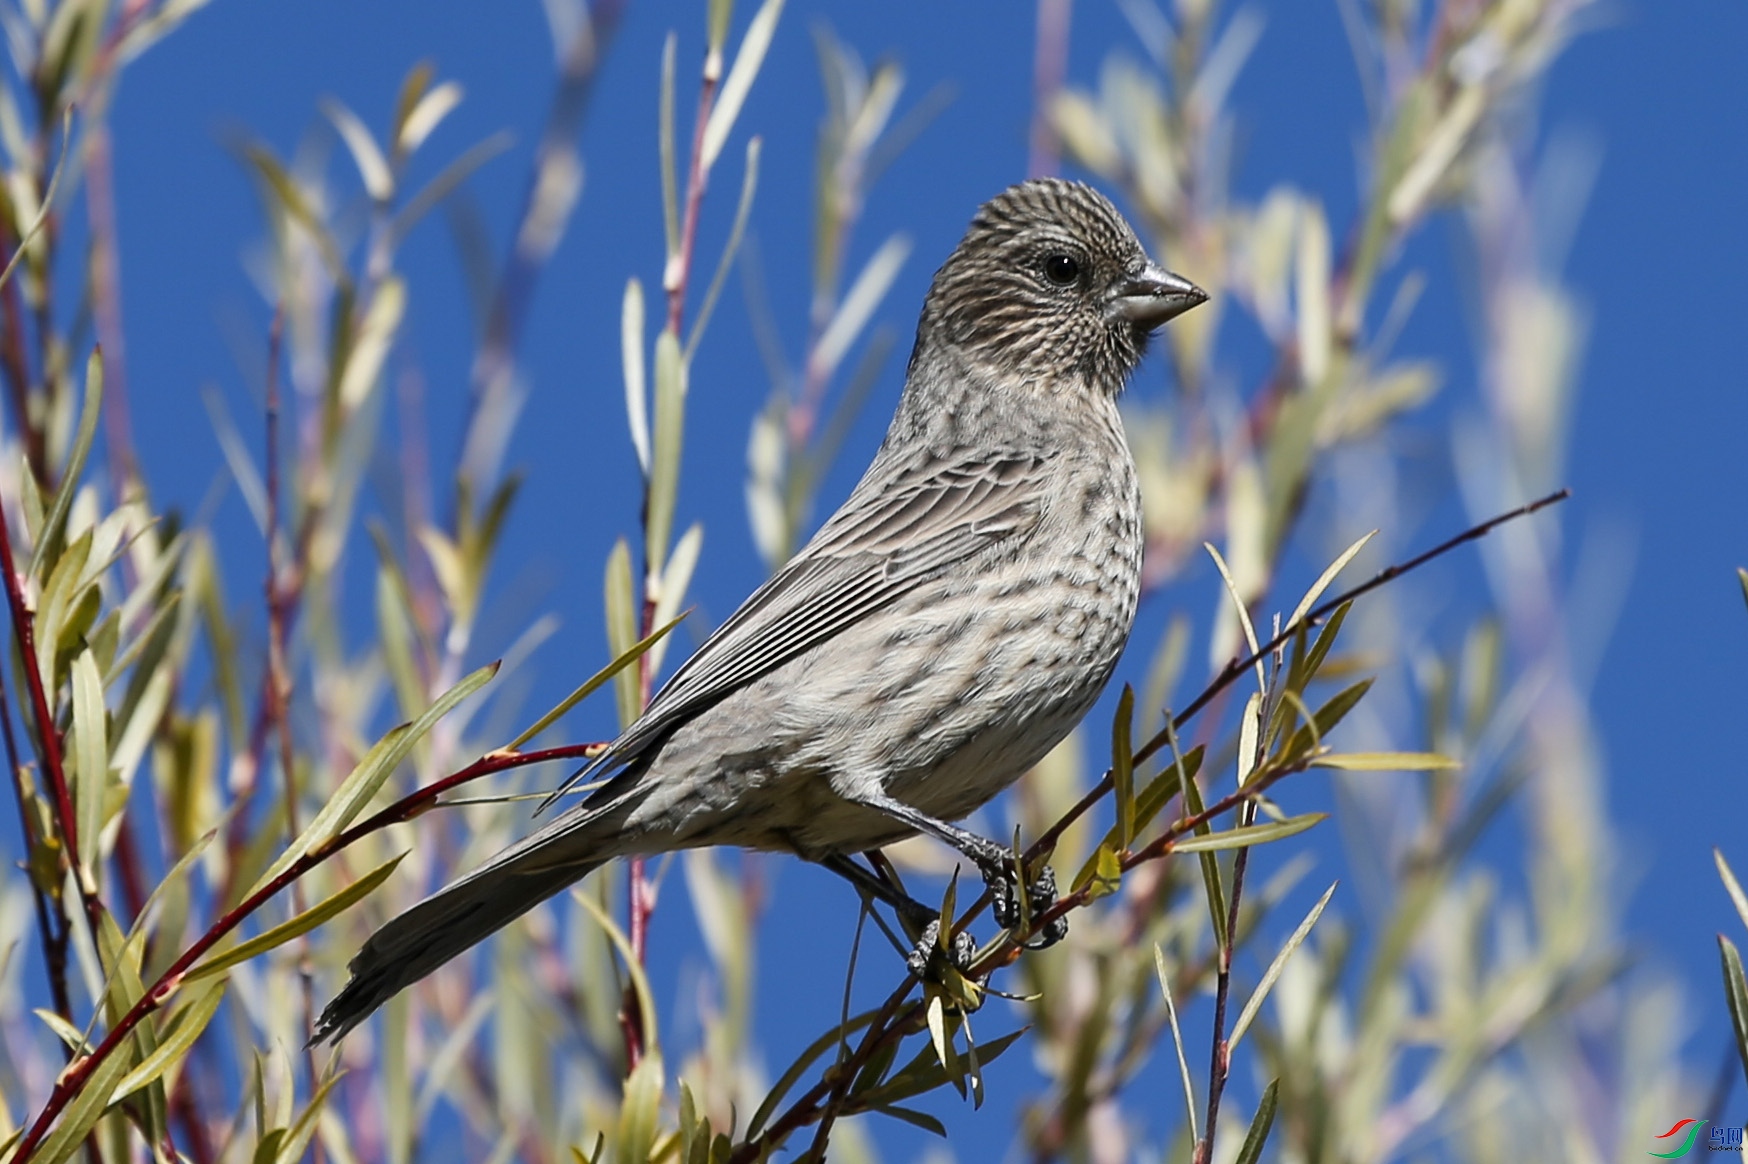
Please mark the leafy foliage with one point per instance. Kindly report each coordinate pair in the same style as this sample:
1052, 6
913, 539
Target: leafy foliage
168, 777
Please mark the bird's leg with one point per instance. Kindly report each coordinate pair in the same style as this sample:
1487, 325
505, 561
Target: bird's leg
995, 863
922, 923
912, 912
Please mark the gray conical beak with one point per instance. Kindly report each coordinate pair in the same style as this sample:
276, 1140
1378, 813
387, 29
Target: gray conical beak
1151, 296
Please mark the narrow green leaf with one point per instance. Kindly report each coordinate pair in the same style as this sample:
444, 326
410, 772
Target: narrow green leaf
1311, 291
720, 12
640, 1110
1328, 576
366, 154
665, 148
1732, 886
1249, 733
413, 88
425, 117
924, 1073
171, 882
1101, 874
30, 501
688, 1128
65, 1031
48, 200
297, 926
297, 208
297, 1137
267, 1148
1325, 640
482, 538
1310, 735
633, 966
622, 630
180, 1032
937, 1018
370, 347
1254, 1003
917, 1119
82, 1114
632, 371
355, 792
1157, 793
1242, 611
1177, 1037
860, 302
57, 599
91, 767
1193, 807
799, 1068
451, 571
128, 653
1246, 835
451, 176
237, 456
1387, 762
1123, 766
743, 210
1260, 1125
395, 634
873, 1072
675, 581
747, 60
90, 409
593, 683
664, 473
1736, 996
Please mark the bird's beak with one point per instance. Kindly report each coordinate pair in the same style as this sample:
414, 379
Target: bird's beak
1151, 296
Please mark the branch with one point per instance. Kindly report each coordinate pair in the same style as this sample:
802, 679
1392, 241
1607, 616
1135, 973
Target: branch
48, 736
1238, 666
405, 809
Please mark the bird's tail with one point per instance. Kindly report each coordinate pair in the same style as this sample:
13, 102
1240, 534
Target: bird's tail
467, 912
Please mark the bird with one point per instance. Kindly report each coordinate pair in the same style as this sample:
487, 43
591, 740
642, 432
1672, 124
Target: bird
951, 623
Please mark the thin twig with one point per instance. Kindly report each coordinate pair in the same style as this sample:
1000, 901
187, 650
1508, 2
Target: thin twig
830, 1093
54, 938
1220, 1053
1239, 665
48, 736
412, 805
639, 890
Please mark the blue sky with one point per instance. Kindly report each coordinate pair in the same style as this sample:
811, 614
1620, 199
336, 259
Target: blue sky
1657, 460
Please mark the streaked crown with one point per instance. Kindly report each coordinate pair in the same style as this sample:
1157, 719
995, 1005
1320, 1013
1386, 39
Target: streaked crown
1051, 284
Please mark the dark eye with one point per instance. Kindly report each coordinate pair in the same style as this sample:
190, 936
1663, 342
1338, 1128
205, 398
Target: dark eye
1061, 270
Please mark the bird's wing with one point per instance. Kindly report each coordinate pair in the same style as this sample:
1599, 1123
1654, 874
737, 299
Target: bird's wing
890, 536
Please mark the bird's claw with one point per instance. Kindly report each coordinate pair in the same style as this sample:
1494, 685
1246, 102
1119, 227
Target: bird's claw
1040, 896
928, 949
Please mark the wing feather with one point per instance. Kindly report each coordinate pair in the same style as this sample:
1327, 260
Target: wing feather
893, 534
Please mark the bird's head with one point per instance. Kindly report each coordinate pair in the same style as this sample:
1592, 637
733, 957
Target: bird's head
1051, 284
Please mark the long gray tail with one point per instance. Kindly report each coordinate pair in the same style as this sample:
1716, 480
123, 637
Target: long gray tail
467, 912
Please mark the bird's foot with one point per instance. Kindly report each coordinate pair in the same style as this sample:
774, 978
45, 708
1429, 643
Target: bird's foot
927, 958
1014, 912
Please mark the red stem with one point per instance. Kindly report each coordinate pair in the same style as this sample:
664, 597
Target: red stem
48, 738
640, 893
160, 991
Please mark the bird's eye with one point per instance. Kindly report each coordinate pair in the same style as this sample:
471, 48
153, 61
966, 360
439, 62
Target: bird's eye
1061, 270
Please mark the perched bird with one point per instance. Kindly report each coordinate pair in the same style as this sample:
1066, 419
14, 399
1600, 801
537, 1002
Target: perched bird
942, 631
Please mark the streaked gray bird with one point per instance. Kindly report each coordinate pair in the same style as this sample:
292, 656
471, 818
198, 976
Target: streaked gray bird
942, 631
